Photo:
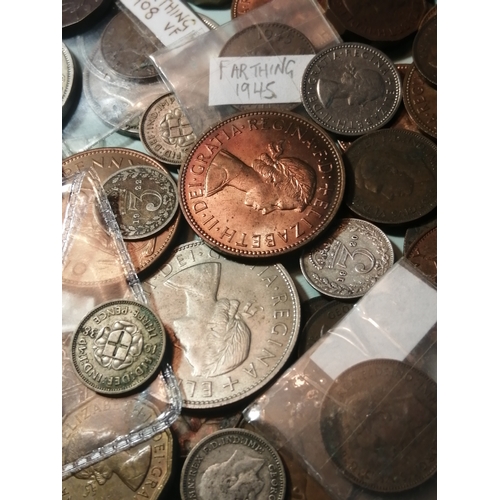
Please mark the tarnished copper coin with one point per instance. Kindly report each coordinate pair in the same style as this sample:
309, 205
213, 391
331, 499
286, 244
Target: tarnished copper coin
165, 130
233, 325
261, 183
425, 50
142, 471
423, 254
267, 39
144, 200
126, 49
420, 100
118, 347
379, 20
233, 464
391, 176
351, 89
240, 7
379, 425
143, 253
348, 260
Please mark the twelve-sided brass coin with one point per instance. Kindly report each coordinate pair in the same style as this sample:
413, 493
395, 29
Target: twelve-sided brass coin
261, 183
118, 347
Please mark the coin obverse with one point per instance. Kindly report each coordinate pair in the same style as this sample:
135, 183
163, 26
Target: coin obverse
349, 261
118, 347
233, 325
144, 200
379, 425
261, 183
233, 463
351, 89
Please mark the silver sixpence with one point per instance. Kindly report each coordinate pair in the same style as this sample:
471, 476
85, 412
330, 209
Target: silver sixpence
233, 464
351, 89
68, 79
349, 260
144, 200
233, 325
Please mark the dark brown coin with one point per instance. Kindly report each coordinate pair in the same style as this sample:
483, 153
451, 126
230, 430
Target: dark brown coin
236, 464
430, 13
379, 425
267, 39
348, 259
420, 100
165, 130
261, 183
412, 234
144, 253
77, 11
425, 50
423, 254
126, 49
391, 176
379, 20
351, 89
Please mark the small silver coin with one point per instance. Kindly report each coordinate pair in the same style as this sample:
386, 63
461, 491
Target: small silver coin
349, 260
68, 79
233, 463
144, 200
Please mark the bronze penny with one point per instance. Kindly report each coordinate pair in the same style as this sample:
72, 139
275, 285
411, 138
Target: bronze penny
348, 260
141, 471
430, 13
420, 100
413, 233
240, 7
379, 425
144, 200
118, 347
165, 130
351, 89
233, 463
379, 20
423, 254
233, 325
76, 12
391, 176
261, 183
143, 253
267, 39
425, 50
126, 49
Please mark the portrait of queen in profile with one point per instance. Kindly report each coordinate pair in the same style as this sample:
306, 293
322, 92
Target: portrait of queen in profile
212, 334
271, 182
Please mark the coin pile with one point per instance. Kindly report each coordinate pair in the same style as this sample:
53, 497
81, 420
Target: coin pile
233, 231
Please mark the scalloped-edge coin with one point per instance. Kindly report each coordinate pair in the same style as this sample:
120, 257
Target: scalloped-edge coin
118, 347
233, 463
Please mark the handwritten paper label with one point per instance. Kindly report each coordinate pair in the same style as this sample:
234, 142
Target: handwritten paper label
168, 20
256, 79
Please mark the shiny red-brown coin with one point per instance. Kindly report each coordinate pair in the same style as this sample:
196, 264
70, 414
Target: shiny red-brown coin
261, 183
423, 254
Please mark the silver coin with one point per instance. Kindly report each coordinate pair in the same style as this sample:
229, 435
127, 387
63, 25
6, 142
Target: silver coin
233, 463
68, 79
144, 200
349, 260
233, 325
207, 21
351, 89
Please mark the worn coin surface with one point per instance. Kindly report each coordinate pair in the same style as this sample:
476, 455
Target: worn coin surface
267, 39
77, 11
233, 463
379, 425
233, 325
261, 183
68, 79
142, 471
420, 100
424, 50
423, 254
143, 253
126, 49
348, 260
351, 89
391, 176
143, 198
165, 130
118, 347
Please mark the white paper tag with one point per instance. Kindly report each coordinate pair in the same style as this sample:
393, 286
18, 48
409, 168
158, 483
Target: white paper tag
256, 79
168, 20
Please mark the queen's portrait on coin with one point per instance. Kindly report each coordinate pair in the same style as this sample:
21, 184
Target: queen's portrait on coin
271, 182
212, 334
